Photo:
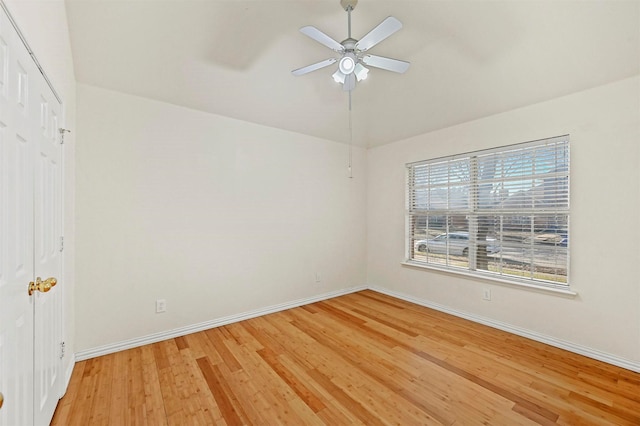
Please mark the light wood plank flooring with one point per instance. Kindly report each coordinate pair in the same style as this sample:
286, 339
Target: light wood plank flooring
363, 358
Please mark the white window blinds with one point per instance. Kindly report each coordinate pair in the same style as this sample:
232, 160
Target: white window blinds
501, 212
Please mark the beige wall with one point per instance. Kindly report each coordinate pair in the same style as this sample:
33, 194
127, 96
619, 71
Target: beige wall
604, 126
44, 25
215, 215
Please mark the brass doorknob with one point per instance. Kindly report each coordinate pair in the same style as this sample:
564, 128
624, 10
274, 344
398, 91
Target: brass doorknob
43, 286
1, 399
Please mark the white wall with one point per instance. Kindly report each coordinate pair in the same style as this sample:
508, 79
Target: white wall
604, 126
44, 25
215, 215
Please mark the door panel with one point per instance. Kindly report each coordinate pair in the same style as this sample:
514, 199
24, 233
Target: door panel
16, 232
48, 258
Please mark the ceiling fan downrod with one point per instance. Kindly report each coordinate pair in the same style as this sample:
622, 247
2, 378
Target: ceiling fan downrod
349, 5
349, 9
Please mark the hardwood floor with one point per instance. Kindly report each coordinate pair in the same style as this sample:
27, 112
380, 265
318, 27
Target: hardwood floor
363, 358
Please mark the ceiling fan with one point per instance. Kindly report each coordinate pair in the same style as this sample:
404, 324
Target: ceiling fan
351, 64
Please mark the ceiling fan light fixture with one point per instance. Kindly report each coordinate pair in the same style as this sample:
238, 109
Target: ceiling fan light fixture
338, 77
361, 72
347, 64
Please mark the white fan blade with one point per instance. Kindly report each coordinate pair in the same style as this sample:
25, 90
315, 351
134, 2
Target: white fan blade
388, 64
322, 38
384, 29
313, 67
349, 82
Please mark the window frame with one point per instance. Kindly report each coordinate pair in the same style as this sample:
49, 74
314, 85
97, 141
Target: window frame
558, 209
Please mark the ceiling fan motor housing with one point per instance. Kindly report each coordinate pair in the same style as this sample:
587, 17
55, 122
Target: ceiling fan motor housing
349, 44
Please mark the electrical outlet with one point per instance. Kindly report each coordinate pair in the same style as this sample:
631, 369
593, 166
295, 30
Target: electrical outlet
486, 294
318, 277
161, 306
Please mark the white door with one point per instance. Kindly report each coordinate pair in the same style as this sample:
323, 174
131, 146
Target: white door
30, 213
48, 256
16, 221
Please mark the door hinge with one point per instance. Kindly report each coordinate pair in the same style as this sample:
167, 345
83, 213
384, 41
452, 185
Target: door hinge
61, 243
62, 350
62, 132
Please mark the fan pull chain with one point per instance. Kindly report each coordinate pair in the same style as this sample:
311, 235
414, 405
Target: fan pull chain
350, 139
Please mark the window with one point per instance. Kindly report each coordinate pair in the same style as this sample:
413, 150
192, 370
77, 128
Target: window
501, 212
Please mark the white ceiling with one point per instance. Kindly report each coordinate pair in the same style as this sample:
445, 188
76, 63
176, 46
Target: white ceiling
469, 59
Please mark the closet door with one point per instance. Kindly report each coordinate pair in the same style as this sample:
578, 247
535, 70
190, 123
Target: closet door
16, 229
48, 251
30, 232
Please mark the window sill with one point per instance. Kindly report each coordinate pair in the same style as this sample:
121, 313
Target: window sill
511, 283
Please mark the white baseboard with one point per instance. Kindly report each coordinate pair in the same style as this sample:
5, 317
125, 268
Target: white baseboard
551, 341
170, 334
182, 331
